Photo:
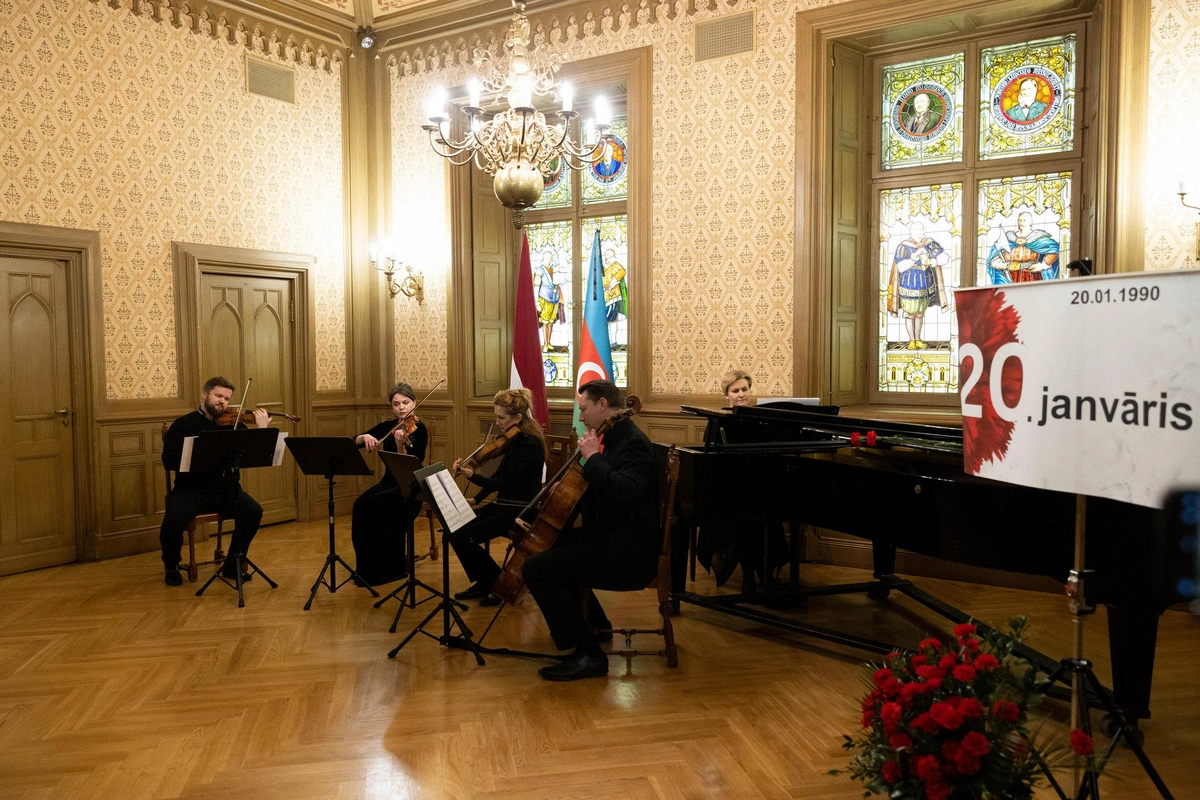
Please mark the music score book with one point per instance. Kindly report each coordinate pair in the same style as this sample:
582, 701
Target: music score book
189, 442
445, 497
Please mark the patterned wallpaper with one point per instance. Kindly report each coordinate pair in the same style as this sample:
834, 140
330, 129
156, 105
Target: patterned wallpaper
1173, 132
724, 206
114, 122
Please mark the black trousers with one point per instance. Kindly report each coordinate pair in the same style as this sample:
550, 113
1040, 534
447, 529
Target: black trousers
555, 577
469, 540
379, 529
183, 505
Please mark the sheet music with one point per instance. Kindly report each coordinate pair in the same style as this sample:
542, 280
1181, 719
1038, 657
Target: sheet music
279, 449
449, 500
185, 460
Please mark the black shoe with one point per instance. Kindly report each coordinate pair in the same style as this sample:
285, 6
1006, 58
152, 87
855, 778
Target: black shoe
577, 667
490, 601
475, 592
173, 578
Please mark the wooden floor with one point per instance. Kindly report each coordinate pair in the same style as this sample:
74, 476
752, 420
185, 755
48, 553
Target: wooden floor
115, 685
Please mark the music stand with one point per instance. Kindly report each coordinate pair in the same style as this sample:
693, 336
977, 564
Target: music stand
329, 456
403, 468
243, 448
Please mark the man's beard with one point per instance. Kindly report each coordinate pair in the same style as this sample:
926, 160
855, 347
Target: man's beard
211, 411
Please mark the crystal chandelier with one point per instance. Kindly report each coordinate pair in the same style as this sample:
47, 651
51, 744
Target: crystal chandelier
517, 145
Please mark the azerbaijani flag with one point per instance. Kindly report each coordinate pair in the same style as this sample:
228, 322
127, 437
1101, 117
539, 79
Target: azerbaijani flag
595, 353
527, 371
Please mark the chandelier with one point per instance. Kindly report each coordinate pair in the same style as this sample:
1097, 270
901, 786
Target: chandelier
517, 145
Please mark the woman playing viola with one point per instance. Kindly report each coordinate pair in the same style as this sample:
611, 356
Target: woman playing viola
515, 482
382, 513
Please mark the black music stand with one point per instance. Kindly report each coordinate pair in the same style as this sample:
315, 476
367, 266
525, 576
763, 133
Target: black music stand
235, 450
329, 456
403, 468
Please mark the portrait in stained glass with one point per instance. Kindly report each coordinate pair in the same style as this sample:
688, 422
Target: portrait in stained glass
1027, 98
614, 260
550, 256
922, 112
920, 259
1024, 229
556, 187
608, 178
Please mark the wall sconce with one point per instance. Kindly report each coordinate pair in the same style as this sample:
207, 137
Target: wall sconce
1183, 193
411, 285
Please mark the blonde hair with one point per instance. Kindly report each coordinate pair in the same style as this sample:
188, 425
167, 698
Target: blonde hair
732, 377
520, 402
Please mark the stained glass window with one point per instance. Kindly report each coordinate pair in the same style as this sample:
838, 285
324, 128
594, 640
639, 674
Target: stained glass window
1024, 229
556, 191
551, 256
922, 112
608, 178
614, 262
1027, 98
920, 259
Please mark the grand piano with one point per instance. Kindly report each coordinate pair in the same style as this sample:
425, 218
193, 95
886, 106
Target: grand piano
902, 485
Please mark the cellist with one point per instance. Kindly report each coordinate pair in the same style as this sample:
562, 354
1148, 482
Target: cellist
515, 482
617, 547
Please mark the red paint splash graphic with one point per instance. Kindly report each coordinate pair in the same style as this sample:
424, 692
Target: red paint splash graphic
984, 320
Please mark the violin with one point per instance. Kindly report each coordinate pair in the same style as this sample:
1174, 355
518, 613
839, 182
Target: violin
229, 415
558, 500
409, 420
489, 450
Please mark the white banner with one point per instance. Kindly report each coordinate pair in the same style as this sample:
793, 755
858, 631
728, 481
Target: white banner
1089, 385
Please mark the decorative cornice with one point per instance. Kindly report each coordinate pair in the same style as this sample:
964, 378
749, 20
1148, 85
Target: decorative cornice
573, 23
260, 36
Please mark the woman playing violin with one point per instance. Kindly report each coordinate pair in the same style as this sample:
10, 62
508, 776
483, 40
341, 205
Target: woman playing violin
381, 513
515, 482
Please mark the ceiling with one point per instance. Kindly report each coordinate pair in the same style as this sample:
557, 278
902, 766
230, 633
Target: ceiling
378, 9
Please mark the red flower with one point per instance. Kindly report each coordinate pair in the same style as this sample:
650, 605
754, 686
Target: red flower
891, 687
880, 675
891, 712
986, 661
972, 645
923, 722
1006, 711
948, 662
946, 716
933, 683
1081, 743
866, 719
892, 771
929, 644
900, 741
964, 673
937, 791
929, 769
965, 763
976, 744
916, 661
970, 708
965, 629
910, 692
927, 672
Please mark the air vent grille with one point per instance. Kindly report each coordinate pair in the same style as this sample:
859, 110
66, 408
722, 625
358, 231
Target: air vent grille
270, 80
560, 429
727, 36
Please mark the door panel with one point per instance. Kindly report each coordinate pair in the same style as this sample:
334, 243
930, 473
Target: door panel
246, 332
37, 485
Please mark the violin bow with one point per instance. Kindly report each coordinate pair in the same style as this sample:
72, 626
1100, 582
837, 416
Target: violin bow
238, 417
402, 420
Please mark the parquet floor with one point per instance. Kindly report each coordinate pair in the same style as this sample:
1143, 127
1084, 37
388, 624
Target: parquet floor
113, 685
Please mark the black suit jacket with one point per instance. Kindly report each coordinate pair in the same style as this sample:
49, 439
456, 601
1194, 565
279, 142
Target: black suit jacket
620, 507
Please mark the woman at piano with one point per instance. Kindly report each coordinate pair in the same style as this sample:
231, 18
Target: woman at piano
379, 525
722, 549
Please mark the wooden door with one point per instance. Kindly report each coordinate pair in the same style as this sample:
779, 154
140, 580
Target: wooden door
246, 331
37, 470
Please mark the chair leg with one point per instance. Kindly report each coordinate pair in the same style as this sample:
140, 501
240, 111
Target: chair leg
692, 535
664, 610
193, 570
433, 548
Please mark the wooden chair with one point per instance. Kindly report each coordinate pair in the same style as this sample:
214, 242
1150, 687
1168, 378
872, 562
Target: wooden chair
558, 450
193, 566
662, 579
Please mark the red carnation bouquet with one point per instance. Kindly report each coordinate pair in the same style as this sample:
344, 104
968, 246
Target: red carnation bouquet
952, 721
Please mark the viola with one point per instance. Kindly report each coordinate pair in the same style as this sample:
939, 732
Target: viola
228, 416
558, 501
489, 450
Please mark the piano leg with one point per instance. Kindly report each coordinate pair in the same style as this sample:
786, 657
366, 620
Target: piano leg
1131, 638
883, 557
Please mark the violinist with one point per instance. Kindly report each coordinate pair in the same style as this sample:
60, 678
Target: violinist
515, 482
382, 513
618, 545
198, 493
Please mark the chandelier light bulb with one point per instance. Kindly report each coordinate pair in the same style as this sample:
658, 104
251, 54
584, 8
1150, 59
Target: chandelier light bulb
521, 93
567, 93
589, 132
435, 106
603, 112
474, 92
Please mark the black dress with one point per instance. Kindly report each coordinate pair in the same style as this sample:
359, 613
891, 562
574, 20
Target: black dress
515, 483
382, 515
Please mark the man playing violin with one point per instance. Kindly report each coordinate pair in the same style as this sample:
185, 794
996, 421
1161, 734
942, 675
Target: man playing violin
382, 513
617, 547
198, 493
515, 482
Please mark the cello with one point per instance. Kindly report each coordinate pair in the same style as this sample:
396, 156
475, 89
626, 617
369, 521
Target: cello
558, 501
